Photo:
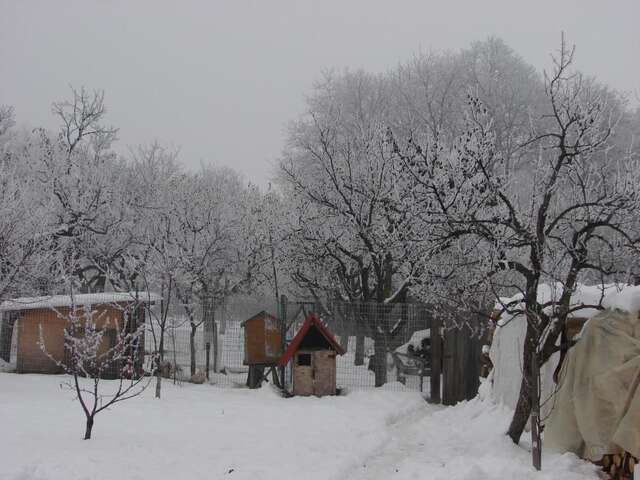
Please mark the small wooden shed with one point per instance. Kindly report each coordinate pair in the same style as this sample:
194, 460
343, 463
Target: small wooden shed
29, 316
313, 351
262, 339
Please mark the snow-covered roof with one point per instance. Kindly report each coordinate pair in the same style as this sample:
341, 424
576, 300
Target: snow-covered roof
52, 301
613, 296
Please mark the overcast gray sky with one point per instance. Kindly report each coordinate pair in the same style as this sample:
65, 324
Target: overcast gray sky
222, 79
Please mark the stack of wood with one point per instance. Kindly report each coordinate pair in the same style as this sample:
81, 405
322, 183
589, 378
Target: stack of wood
619, 466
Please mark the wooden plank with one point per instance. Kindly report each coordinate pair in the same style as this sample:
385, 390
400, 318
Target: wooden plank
472, 368
449, 371
461, 361
324, 368
436, 360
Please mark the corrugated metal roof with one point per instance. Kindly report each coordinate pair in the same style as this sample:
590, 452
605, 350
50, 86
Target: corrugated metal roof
53, 301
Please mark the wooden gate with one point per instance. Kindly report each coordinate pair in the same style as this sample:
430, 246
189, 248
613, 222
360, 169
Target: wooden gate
458, 353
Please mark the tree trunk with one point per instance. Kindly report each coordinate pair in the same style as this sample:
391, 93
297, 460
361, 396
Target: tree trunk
523, 407
379, 361
89, 427
359, 356
344, 341
159, 365
158, 382
192, 348
208, 318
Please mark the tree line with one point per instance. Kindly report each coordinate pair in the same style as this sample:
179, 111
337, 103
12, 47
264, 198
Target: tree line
454, 179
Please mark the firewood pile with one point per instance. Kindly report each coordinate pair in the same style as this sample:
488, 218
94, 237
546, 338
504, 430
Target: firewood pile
619, 466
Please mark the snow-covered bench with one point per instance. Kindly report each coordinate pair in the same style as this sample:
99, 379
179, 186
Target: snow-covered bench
407, 364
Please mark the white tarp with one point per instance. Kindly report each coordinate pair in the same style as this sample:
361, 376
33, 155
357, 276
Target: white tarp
597, 408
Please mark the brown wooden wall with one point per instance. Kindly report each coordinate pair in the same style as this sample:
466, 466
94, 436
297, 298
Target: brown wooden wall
262, 341
30, 357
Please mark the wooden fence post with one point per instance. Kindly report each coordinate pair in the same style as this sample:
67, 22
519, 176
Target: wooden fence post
436, 360
208, 349
473, 348
215, 347
449, 354
283, 336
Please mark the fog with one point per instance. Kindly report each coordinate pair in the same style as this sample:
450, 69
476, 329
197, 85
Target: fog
221, 80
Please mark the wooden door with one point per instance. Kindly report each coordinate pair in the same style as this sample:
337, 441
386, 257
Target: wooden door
324, 366
303, 373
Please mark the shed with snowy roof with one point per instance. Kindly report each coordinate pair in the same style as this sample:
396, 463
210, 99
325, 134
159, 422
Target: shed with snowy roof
28, 320
313, 355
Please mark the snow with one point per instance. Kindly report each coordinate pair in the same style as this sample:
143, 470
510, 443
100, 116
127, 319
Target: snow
415, 341
506, 348
53, 301
506, 375
620, 296
465, 442
627, 298
6, 367
202, 431
194, 431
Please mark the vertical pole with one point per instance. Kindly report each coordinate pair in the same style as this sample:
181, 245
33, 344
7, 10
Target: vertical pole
215, 347
436, 360
208, 349
471, 366
450, 367
283, 336
536, 447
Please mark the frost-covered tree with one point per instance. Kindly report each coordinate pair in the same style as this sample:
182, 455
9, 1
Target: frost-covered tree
79, 180
215, 239
152, 263
573, 218
353, 237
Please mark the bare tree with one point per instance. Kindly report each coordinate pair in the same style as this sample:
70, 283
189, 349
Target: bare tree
90, 356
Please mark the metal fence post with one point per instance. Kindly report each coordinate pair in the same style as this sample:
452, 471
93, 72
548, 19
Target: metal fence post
208, 350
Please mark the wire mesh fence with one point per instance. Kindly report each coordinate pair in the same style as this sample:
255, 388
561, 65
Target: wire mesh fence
386, 345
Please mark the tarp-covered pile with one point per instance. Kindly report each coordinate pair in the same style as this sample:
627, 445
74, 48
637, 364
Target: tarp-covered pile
597, 408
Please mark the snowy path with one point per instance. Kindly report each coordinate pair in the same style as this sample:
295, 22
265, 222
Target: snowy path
459, 443
204, 432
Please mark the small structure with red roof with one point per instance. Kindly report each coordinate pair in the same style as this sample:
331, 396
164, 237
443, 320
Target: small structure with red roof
313, 351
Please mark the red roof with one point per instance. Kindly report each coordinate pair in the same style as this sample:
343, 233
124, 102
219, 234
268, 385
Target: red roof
309, 322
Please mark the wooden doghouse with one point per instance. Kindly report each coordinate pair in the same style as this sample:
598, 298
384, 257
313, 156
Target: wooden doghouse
262, 347
49, 315
313, 351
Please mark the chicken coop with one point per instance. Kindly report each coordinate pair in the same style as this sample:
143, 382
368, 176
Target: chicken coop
313, 354
262, 346
32, 320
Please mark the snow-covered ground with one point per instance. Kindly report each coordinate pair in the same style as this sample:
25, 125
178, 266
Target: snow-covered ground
465, 442
202, 431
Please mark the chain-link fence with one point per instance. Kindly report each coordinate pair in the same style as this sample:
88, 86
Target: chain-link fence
205, 341
386, 345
